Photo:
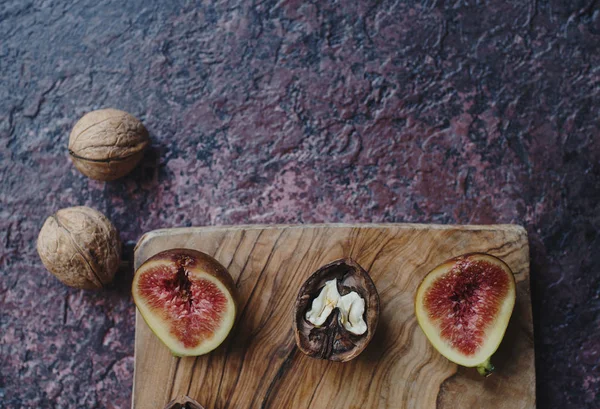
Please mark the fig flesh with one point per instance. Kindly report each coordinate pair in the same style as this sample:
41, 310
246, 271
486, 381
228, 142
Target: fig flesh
464, 305
336, 312
187, 298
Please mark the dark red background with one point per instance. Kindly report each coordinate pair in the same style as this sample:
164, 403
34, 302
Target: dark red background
298, 112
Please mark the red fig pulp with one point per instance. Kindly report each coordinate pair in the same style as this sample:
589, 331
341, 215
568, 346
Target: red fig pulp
186, 298
464, 305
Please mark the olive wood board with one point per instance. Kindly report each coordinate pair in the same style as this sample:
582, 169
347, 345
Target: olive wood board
259, 365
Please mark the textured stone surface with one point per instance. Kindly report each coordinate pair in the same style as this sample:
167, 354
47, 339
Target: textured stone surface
290, 111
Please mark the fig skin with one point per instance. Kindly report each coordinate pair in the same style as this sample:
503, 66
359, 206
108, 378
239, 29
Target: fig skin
494, 335
197, 263
308, 337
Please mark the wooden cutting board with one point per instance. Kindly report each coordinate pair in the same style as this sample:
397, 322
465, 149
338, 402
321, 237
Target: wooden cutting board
259, 365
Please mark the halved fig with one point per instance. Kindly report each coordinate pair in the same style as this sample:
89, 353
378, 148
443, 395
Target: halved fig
187, 298
464, 305
336, 312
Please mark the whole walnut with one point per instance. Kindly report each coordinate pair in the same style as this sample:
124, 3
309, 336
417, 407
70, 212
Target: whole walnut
107, 144
81, 247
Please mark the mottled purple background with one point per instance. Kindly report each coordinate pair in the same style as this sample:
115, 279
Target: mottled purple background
298, 112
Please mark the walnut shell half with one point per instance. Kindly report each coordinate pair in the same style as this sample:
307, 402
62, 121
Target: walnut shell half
81, 247
326, 322
107, 144
183, 402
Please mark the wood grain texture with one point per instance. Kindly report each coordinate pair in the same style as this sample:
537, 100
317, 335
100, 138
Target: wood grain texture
259, 366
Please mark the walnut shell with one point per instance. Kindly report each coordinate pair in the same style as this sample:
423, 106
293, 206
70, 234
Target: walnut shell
331, 340
81, 247
183, 402
107, 144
